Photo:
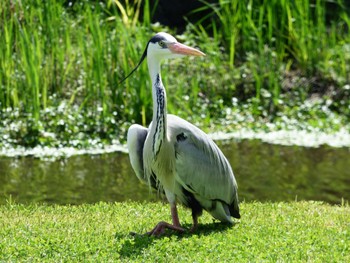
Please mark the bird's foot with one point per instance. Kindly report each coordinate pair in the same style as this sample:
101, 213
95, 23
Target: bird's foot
195, 223
162, 226
193, 228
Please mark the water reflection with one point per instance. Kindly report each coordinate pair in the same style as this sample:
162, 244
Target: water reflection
285, 173
263, 171
79, 179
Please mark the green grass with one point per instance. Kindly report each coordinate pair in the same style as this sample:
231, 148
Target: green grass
60, 66
267, 232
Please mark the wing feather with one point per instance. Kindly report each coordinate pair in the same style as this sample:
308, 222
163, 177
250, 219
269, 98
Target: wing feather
201, 167
135, 140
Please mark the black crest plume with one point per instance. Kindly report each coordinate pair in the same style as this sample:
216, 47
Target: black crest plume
144, 55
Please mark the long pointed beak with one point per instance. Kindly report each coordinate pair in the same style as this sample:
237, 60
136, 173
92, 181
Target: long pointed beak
178, 48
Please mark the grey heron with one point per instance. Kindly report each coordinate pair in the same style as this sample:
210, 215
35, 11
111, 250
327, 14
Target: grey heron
177, 157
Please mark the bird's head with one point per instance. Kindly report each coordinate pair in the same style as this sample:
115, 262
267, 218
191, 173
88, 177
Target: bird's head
163, 46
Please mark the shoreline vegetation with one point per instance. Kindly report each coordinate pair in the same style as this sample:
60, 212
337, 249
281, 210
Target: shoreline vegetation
274, 65
280, 137
269, 232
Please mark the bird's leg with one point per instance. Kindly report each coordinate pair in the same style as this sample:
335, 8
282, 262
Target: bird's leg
195, 222
161, 226
174, 215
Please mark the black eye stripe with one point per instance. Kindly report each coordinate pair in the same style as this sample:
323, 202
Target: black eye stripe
157, 38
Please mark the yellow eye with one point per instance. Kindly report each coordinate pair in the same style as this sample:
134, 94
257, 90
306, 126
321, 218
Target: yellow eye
161, 43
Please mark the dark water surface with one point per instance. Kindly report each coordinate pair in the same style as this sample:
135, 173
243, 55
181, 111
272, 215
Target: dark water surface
263, 171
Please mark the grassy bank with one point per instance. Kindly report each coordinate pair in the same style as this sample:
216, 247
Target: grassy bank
274, 62
269, 232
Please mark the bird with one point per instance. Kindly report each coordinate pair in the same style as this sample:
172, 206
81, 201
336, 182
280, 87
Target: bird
174, 156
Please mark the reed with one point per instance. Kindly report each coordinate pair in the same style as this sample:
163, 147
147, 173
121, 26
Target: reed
56, 55
46, 51
280, 36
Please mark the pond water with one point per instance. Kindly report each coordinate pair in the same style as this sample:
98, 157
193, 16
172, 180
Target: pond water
263, 171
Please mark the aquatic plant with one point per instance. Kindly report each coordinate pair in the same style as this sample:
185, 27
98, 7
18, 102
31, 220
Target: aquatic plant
67, 58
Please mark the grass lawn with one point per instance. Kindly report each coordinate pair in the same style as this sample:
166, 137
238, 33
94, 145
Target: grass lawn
268, 232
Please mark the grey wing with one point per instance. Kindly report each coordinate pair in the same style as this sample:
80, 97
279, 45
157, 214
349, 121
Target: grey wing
201, 167
135, 141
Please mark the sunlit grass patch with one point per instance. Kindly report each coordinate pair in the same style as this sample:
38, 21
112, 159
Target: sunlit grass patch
297, 231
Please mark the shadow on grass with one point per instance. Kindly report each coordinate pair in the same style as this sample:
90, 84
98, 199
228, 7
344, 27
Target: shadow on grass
134, 244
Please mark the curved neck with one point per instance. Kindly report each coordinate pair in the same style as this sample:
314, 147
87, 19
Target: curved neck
159, 120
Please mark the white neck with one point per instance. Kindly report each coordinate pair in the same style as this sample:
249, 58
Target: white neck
159, 120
